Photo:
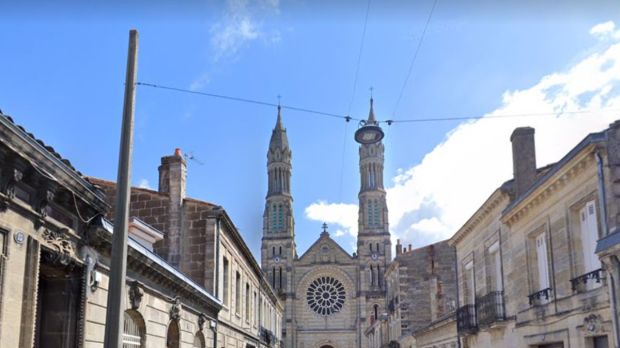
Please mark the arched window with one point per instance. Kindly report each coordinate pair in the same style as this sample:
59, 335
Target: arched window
372, 276
273, 251
172, 338
376, 309
199, 340
280, 217
134, 331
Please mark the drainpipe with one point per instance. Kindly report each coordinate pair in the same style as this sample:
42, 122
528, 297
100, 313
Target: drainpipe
601, 192
217, 271
456, 267
614, 263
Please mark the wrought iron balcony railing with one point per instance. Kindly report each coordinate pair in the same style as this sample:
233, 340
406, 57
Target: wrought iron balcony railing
539, 296
491, 308
592, 277
466, 319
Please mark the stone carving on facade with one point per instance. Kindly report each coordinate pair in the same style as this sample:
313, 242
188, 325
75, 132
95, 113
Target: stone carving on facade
593, 323
202, 319
175, 311
61, 249
135, 294
9, 178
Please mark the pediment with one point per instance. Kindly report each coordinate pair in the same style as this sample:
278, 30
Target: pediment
325, 250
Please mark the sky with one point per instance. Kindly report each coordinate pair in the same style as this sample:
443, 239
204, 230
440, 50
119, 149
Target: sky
556, 64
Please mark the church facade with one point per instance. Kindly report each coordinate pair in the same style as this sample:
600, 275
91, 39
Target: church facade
330, 296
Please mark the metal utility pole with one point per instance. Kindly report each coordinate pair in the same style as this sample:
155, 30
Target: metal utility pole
116, 288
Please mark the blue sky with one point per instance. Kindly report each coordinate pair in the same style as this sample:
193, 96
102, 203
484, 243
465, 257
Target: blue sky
63, 65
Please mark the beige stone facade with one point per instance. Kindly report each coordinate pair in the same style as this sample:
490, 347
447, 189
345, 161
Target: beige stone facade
54, 262
528, 274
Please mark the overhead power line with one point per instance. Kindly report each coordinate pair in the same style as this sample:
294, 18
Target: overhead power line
389, 122
414, 57
247, 100
359, 58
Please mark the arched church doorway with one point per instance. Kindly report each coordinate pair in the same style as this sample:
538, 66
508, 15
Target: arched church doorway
327, 346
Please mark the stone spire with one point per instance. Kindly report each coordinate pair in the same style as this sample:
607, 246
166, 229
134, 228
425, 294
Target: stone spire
278, 136
371, 114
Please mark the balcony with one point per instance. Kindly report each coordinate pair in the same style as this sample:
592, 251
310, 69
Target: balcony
491, 308
466, 319
587, 281
540, 297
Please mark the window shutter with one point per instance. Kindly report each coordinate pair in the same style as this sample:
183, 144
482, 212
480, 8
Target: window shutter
543, 264
589, 233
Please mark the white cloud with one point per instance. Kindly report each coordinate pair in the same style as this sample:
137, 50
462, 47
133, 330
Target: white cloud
144, 183
343, 215
242, 23
432, 199
605, 30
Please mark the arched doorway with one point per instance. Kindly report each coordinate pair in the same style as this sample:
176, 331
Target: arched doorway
327, 346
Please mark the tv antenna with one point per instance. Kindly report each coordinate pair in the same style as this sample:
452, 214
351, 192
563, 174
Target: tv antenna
189, 156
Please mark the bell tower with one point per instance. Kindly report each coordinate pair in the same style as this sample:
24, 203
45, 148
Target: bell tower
374, 248
278, 242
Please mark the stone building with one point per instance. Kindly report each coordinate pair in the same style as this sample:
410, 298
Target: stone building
421, 297
54, 262
330, 296
200, 240
528, 274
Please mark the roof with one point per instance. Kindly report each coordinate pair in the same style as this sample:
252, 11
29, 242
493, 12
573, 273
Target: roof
552, 169
132, 243
74, 180
323, 237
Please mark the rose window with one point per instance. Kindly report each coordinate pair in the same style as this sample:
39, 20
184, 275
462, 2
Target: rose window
326, 295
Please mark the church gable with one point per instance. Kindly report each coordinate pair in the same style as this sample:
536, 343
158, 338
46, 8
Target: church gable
325, 250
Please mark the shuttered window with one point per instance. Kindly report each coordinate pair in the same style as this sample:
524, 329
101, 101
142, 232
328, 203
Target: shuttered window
589, 236
542, 262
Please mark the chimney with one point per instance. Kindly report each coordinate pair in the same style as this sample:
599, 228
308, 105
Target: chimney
172, 180
399, 247
173, 175
523, 159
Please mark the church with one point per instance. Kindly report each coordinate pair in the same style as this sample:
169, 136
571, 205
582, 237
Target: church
330, 296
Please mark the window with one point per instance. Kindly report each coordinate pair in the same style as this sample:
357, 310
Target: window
225, 281
273, 277
589, 236
133, 330
256, 309
238, 293
542, 262
372, 276
247, 302
494, 268
280, 279
470, 287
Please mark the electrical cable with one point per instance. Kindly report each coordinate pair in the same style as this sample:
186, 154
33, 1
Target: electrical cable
415, 56
389, 122
247, 100
359, 58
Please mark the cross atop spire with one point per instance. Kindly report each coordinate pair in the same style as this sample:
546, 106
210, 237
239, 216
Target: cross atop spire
324, 229
371, 113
